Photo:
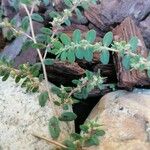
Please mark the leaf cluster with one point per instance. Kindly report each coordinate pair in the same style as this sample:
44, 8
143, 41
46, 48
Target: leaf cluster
26, 75
90, 135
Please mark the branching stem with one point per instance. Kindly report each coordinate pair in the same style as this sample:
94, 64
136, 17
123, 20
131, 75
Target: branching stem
40, 56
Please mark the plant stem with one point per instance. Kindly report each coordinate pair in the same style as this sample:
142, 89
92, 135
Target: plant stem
50, 141
40, 56
63, 20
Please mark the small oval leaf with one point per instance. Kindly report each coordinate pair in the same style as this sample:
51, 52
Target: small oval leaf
133, 43
79, 53
43, 97
65, 39
104, 57
91, 36
88, 55
126, 62
37, 17
54, 128
71, 56
76, 36
67, 116
108, 38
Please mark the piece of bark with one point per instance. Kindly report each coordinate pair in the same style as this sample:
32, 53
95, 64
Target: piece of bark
145, 28
108, 13
69, 29
128, 79
3, 41
64, 72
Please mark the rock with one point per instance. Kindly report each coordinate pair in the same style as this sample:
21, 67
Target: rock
13, 49
21, 116
8, 10
126, 119
108, 14
145, 28
130, 78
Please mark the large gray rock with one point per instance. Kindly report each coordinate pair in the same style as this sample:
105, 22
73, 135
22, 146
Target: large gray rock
126, 119
21, 116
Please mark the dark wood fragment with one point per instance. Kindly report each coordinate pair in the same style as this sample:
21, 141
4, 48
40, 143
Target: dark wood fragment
128, 79
64, 72
110, 12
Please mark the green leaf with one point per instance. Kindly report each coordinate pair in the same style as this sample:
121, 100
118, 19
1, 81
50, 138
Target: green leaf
41, 38
76, 136
46, 30
79, 14
48, 61
92, 141
56, 90
100, 132
65, 39
67, 22
84, 128
133, 43
57, 103
27, 44
89, 74
104, 57
35, 69
54, 14
107, 39
68, 3
88, 55
18, 78
6, 76
76, 37
91, 36
43, 97
65, 107
79, 53
76, 81
13, 21
37, 17
27, 2
85, 5
85, 93
126, 62
35, 89
67, 116
71, 56
63, 56
57, 44
70, 145
25, 23
38, 45
46, 2
54, 128
9, 35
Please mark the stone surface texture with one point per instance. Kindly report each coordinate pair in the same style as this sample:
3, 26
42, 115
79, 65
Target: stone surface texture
21, 116
126, 119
